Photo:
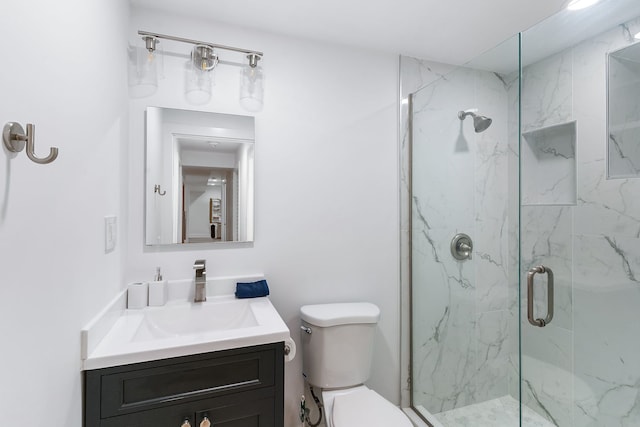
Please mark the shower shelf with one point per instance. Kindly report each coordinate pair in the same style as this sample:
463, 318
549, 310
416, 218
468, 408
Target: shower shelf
549, 165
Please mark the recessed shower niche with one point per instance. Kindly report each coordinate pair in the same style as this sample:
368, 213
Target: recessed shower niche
549, 165
623, 112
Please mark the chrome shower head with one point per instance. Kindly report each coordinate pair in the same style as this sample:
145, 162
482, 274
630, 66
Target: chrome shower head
480, 123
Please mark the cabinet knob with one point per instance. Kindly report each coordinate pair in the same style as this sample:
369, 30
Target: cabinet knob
205, 422
186, 423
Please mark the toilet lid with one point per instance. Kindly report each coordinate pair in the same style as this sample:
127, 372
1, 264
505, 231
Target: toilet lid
366, 408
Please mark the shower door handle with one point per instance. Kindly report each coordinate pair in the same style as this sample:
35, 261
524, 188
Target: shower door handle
530, 276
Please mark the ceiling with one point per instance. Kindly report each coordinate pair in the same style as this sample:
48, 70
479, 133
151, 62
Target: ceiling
449, 31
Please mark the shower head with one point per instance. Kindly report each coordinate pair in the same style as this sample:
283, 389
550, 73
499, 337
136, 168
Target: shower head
480, 123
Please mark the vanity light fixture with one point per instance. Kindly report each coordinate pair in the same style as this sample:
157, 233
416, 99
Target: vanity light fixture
199, 74
580, 4
252, 84
199, 71
143, 79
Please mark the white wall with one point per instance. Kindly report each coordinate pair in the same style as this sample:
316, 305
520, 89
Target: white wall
326, 184
326, 181
64, 70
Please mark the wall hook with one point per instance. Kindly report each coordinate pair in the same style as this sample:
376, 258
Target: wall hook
14, 139
157, 190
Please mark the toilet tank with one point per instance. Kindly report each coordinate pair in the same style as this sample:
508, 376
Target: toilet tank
338, 350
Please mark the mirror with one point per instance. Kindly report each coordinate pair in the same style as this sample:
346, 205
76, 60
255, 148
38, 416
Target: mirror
623, 112
199, 177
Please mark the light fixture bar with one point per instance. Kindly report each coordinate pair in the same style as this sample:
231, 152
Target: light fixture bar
196, 42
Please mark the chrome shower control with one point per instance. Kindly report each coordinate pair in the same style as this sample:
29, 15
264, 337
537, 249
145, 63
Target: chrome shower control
461, 246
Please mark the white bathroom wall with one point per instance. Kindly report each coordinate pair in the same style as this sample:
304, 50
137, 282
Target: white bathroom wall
326, 173
64, 70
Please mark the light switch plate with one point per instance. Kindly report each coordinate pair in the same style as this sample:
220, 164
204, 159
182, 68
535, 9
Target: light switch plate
110, 233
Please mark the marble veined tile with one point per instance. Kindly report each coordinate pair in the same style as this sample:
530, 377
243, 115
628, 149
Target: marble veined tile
493, 355
418, 73
607, 365
500, 412
547, 91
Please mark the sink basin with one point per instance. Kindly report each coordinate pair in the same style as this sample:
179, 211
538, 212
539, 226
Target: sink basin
195, 318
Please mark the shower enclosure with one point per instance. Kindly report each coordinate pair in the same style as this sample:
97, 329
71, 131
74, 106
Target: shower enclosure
523, 233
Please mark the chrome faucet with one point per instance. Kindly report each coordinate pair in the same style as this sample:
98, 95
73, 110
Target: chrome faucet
200, 267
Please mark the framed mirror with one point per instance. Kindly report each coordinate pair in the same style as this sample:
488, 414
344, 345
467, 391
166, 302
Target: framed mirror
199, 177
623, 112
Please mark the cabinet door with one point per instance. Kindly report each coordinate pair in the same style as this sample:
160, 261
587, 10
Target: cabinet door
259, 413
254, 408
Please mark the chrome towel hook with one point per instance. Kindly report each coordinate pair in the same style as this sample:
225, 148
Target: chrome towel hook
14, 139
157, 189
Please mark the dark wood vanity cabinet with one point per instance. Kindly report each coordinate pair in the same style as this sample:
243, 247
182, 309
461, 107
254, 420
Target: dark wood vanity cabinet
231, 388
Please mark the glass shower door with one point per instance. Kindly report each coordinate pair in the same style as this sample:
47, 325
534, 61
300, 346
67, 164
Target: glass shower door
580, 218
464, 279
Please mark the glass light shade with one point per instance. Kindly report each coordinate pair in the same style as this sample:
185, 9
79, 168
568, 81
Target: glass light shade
252, 88
143, 72
198, 84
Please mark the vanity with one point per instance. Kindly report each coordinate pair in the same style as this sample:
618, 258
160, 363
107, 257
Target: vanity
238, 387
214, 363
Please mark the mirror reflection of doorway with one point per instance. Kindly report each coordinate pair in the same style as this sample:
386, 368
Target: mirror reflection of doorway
207, 205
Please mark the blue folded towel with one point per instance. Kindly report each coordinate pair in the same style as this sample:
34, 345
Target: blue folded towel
252, 289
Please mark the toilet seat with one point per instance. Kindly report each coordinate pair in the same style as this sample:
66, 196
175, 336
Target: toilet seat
365, 407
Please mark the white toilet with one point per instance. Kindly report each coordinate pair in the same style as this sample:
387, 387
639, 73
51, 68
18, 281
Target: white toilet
337, 347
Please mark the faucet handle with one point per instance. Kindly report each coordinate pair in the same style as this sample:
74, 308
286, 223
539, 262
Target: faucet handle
200, 264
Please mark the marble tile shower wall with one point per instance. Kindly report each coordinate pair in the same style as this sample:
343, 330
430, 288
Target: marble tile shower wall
459, 179
583, 369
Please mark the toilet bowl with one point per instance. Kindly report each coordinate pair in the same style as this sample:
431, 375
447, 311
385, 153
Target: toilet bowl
361, 406
337, 348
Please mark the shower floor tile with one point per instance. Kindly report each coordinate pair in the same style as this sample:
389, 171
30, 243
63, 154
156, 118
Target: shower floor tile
501, 412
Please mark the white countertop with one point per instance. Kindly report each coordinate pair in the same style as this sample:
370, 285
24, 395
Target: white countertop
114, 337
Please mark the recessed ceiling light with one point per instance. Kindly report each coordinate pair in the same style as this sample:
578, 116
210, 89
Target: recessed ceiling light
580, 4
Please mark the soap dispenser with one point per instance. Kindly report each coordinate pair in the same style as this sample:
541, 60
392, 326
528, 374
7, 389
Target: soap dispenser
157, 290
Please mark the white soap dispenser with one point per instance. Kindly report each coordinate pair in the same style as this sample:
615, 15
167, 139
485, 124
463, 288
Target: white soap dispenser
157, 290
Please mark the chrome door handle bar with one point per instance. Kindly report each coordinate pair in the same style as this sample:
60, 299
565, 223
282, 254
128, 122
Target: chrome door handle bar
530, 316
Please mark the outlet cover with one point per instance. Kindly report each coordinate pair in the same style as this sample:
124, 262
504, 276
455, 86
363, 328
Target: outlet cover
110, 233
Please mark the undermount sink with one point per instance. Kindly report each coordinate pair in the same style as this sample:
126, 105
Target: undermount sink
195, 318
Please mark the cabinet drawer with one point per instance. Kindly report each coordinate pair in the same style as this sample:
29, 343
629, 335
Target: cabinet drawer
144, 386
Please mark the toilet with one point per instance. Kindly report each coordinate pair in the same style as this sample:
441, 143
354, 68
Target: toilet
337, 348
